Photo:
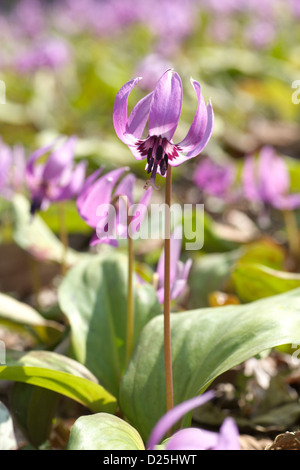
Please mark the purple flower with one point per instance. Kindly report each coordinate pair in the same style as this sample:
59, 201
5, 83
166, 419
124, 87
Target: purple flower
214, 179
50, 53
267, 180
12, 168
57, 179
161, 109
194, 438
104, 202
179, 270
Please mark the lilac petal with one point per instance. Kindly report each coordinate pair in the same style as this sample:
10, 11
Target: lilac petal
99, 193
287, 202
250, 187
166, 105
199, 124
274, 165
95, 240
86, 187
138, 117
120, 120
175, 414
125, 187
201, 144
192, 439
138, 212
60, 159
76, 182
176, 243
228, 436
31, 171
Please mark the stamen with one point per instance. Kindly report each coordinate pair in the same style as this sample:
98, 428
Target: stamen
159, 153
150, 165
149, 154
164, 165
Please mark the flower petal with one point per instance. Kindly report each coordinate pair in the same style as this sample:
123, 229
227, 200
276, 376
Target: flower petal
199, 124
182, 157
99, 193
166, 105
173, 415
192, 439
228, 436
86, 187
138, 117
60, 160
125, 187
75, 184
120, 120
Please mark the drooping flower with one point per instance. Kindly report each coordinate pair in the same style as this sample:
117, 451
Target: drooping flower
58, 178
194, 438
267, 180
214, 179
162, 109
104, 203
12, 167
179, 270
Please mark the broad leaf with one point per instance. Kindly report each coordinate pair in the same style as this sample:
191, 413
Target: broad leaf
27, 402
59, 374
15, 313
103, 431
93, 297
254, 281
205, 343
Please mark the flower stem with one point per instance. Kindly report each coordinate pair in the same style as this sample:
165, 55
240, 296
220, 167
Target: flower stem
167, 296
130, 298
63, 235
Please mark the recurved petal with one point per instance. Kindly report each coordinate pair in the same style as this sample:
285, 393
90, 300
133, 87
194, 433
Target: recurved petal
199, 124
166, 105
122, 127
187, 153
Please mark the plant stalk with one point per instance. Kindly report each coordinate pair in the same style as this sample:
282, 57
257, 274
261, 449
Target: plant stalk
167, 293
130, 296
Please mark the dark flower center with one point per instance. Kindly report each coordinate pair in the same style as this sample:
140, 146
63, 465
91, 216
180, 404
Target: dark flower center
158, 151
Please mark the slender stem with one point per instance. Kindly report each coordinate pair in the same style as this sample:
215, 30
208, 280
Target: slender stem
292, 234
130, 298
167, 296
63, 235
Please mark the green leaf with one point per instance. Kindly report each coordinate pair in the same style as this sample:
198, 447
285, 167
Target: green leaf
60, 374
35, 236
34, 409
93, 297
205, 343
7, 435
254, 281
103, 431
14, 313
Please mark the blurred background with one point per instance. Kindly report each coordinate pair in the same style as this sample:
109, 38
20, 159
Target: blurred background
63, 61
